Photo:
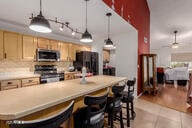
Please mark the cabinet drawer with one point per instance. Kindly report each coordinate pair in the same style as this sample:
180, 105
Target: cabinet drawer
30, 81
10, 84
69, 76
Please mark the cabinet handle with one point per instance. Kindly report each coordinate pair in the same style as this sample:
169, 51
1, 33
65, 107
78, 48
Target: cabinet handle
30, 81
5, 55
9, 82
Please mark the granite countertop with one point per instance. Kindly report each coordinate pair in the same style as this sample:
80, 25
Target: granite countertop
17, 75
16, 103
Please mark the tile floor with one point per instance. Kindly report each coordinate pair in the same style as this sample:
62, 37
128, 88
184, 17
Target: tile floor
150, 115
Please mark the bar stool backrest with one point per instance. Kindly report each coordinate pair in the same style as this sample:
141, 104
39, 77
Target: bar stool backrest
95, 106
130, 84
51, 122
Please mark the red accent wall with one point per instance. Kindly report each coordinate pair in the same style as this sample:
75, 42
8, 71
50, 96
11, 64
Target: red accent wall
137, 13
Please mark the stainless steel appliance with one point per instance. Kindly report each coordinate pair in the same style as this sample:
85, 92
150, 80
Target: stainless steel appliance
47, 55
49, 73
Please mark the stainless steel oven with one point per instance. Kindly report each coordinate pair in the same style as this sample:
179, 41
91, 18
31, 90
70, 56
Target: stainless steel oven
49, 73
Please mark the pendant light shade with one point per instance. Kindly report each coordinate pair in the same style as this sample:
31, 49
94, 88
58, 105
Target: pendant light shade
39, 23
108, 41
175, 44
86, 36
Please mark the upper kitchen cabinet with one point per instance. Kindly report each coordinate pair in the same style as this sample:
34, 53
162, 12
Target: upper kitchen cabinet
85, 48
12, 45
43, 43
53, 45
64, 50
72, 52
106, 55
29, 47
1, 45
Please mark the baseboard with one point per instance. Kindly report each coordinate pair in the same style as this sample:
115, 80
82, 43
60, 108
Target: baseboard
139, 95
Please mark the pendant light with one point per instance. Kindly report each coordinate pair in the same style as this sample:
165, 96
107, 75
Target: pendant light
108, 41
175, 44
86, 36
39, 23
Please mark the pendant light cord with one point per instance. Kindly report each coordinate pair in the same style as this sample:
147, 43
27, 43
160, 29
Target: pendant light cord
40, 7
86, 15
108, 26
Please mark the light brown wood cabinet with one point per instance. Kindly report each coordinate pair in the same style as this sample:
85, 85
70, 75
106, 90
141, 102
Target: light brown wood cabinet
17, 46
29, 47
106, 55
29, 81
17, 83
12, 45
1, 45
10, 84
64, 50
53, 45
42, 43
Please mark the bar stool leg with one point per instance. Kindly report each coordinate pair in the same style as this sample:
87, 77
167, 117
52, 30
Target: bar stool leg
128, 116
121, 120
132, 111
112, 120
109, 119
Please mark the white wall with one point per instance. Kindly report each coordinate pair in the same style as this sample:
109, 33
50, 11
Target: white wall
124, 58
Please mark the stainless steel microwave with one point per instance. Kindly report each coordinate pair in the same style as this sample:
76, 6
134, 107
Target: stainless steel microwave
45, 55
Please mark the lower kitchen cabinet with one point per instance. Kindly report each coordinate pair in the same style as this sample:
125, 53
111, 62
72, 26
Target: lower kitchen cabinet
70, 75
29, 81
17, 83
10, 84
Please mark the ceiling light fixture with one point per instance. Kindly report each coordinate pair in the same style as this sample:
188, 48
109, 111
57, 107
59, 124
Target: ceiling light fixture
41, 24
108, 41
62, 27
73, 33
86, 36
175, 44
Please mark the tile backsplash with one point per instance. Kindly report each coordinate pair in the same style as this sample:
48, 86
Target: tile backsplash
25, 65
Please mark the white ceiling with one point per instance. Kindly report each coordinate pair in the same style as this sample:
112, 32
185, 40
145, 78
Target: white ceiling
17, 12
167, 16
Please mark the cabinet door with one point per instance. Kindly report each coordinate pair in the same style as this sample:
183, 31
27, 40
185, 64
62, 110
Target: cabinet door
72, 52
64, 50
43, 43
29, 47
1, 45
53, 45
106, 56
10, 45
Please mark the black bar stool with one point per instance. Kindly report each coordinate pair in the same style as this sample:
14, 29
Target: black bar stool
91, 116
114, 106
51, 122
128, 97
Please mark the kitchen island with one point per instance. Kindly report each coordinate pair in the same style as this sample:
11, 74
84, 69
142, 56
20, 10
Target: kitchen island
40, 101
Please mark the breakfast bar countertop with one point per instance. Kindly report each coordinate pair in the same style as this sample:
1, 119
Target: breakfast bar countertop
17, 103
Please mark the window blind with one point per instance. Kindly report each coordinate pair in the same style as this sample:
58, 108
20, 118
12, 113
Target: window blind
181, 57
